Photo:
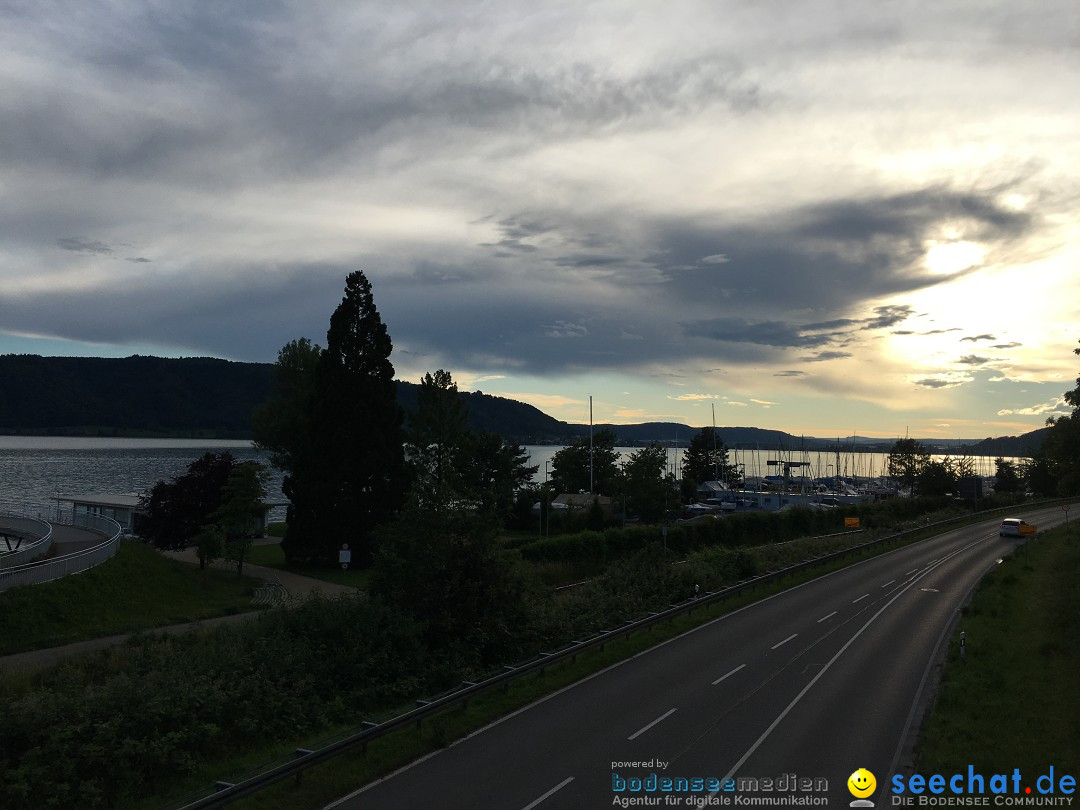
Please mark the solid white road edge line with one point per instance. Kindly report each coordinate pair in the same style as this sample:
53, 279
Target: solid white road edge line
795, 702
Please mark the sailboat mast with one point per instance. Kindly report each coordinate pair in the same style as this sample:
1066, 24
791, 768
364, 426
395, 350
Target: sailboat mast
716, 460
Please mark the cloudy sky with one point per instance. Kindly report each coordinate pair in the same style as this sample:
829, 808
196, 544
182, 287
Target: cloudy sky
824, 217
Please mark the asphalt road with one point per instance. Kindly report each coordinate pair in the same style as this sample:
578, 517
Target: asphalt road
815, 682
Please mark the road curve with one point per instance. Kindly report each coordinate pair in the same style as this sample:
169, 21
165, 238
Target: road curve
814, 682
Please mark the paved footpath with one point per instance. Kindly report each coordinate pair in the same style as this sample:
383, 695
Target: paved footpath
297, 586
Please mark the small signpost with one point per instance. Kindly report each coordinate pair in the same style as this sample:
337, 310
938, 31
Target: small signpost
344, 556
1065, 509
851, 523
963, 643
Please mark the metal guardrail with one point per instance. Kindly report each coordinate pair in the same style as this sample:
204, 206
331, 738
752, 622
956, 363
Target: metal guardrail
38, 529
47, 570
226, 792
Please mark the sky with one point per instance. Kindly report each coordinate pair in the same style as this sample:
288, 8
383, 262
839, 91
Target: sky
829, 218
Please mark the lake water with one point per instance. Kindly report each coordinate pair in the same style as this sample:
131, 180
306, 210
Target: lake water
37, 471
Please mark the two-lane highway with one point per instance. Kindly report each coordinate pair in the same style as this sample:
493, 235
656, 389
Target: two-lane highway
809, 684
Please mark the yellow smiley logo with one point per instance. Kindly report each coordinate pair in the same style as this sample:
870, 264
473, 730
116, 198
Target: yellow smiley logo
861, 783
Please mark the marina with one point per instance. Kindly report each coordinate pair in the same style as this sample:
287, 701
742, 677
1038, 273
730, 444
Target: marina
37, 472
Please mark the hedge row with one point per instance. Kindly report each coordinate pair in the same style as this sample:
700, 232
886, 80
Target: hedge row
732, 531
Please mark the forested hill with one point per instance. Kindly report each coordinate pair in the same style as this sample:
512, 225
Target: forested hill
203, 397
197, 397
193, 397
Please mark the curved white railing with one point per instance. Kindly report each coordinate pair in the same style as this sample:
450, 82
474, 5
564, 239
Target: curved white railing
47, 570
25, 527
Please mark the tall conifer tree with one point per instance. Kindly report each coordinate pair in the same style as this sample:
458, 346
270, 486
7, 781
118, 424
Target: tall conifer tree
350, 476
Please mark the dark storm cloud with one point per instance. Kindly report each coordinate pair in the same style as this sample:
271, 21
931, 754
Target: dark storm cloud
274, 131
821, 356
974, 360
977, 338
933, 382
765, 333
245, 314
79, 245
255, 87
885, 317
828, 255
1011, 345
587, 260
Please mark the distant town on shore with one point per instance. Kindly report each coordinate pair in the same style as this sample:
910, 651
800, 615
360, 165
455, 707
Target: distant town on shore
202, 397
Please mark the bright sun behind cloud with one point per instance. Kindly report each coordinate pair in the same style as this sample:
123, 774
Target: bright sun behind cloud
949, 258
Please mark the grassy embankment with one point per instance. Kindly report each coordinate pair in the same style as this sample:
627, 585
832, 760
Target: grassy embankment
137, 589
1012, 701
337, 776
342, 774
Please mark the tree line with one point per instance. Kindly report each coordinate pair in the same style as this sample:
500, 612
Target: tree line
1052, 470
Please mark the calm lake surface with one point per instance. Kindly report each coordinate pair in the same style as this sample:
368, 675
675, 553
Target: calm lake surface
36, 472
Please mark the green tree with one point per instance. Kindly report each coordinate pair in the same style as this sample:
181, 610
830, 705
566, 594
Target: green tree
175, 512
280, 425
450, 464
436, 432
648, 488
491, 471
1007, 476
570, 466
1062, 445
936, 478
706, 459
448, 571
907, 458
348, 477
1041, 473
241, 512
209, 544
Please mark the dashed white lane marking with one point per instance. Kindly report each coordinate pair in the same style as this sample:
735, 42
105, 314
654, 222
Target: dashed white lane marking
829, 616
725, 677
853, 601
641, 731
558, 787
785, 641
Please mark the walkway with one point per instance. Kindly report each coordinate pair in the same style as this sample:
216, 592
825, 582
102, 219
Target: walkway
298, 586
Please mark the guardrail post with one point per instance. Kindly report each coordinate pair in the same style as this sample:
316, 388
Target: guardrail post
465, 700
364, 727
506, 683
301, 752
419, 704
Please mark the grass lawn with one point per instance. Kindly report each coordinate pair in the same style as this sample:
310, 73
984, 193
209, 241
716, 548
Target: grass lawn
1011, 701
273, 557
136, 590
